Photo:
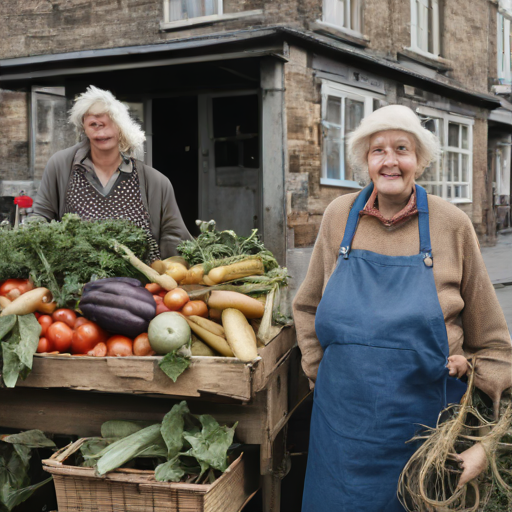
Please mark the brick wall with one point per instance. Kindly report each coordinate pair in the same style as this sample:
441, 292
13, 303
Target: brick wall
14, 164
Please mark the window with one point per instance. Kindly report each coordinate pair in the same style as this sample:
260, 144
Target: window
504, 71
343, 108
451, 176
425, 26
347, 14
186, 9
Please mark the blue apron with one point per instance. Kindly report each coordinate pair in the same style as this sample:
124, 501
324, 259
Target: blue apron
382, 375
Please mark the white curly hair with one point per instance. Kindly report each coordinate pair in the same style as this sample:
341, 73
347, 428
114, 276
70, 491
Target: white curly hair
392, 117
94, 99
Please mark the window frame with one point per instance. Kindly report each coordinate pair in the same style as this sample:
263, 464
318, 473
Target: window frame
442, 162
436, 33
503, 49
357, 32
329, 88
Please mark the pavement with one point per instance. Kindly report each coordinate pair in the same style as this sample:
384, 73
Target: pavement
498, 260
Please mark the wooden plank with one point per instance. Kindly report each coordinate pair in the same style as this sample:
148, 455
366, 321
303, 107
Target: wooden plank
62, 411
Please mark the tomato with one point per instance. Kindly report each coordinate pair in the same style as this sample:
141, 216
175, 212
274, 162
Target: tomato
154, 288
100, 350
163, 293
37, 315
86, 337
158, 299
22, 285
60, 336
81, 320
195, 307
45, 321
141, 346
44, 346
161, 308
68, 316
176, 299
118, 345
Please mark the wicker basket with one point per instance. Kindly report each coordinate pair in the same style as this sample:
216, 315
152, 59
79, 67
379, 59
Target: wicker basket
130, 490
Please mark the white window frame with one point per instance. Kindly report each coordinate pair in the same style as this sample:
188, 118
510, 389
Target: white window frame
342, 91
167, 24
503, 51
442, 162
342, 10
421, 30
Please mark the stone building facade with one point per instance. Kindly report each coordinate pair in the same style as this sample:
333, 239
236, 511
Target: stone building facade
248, 103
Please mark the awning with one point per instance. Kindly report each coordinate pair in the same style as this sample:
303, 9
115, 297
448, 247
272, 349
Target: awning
271, 41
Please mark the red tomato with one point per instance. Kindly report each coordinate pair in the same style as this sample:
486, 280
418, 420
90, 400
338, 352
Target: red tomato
44, 346
60, 336
45, 321
161, 308
176, 299
118, 345
81, 320
86, 337
195, 307
68, 316
141, 346
154, 288
37, 315
163, 293
23, 285
100, 350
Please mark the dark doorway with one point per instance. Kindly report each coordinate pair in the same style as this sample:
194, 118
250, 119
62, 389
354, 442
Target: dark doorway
175, 151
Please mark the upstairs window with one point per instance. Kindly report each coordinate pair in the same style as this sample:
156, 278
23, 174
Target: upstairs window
343, 108
346, 14
504, 67
425, 36
186, 9
451, 176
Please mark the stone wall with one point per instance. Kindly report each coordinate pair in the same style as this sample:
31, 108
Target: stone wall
14, 158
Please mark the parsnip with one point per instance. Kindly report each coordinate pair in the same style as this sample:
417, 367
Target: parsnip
4, 302
249, 267
199, 348
216, 342
28, 302
239, 335
250, 307
208, 325
194, 275
177, 259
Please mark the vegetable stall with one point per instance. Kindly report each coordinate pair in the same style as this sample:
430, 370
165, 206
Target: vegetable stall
91, 334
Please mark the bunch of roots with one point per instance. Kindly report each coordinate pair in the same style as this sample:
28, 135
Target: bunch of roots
429, 481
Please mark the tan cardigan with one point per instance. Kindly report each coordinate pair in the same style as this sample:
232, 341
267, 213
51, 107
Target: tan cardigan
474, 320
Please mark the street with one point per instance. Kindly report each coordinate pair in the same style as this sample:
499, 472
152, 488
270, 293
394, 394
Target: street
498, 260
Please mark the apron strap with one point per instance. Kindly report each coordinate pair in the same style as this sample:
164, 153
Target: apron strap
353, 219
423, 222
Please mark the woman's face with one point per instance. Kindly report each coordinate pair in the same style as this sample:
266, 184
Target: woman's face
102, 132
392, 163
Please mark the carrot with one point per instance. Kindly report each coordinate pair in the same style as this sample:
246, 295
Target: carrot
250, 307
216, 342
239, 335
29, 302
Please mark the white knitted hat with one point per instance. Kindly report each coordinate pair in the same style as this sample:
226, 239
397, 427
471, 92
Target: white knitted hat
392, 117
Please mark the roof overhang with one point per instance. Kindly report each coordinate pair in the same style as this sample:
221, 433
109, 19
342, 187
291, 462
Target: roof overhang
270, 41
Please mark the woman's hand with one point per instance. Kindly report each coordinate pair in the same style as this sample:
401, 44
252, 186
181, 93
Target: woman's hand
457, 366
473, 461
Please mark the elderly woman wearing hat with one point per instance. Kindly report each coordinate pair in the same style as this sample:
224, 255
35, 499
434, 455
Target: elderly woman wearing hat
395, 298
103, 176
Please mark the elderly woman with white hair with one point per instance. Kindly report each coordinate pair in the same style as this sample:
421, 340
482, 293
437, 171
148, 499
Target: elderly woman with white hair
103, 176
396, 297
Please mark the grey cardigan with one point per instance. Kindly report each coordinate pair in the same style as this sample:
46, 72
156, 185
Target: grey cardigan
157, 194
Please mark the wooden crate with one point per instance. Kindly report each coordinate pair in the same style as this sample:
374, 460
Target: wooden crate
131, 490
222, 376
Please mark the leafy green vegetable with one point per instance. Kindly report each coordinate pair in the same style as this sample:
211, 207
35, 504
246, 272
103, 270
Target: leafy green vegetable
172, 428
226, 246
19, 340
174, 365
63, 256
119, 428
210, 446
170, 471
15, 454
